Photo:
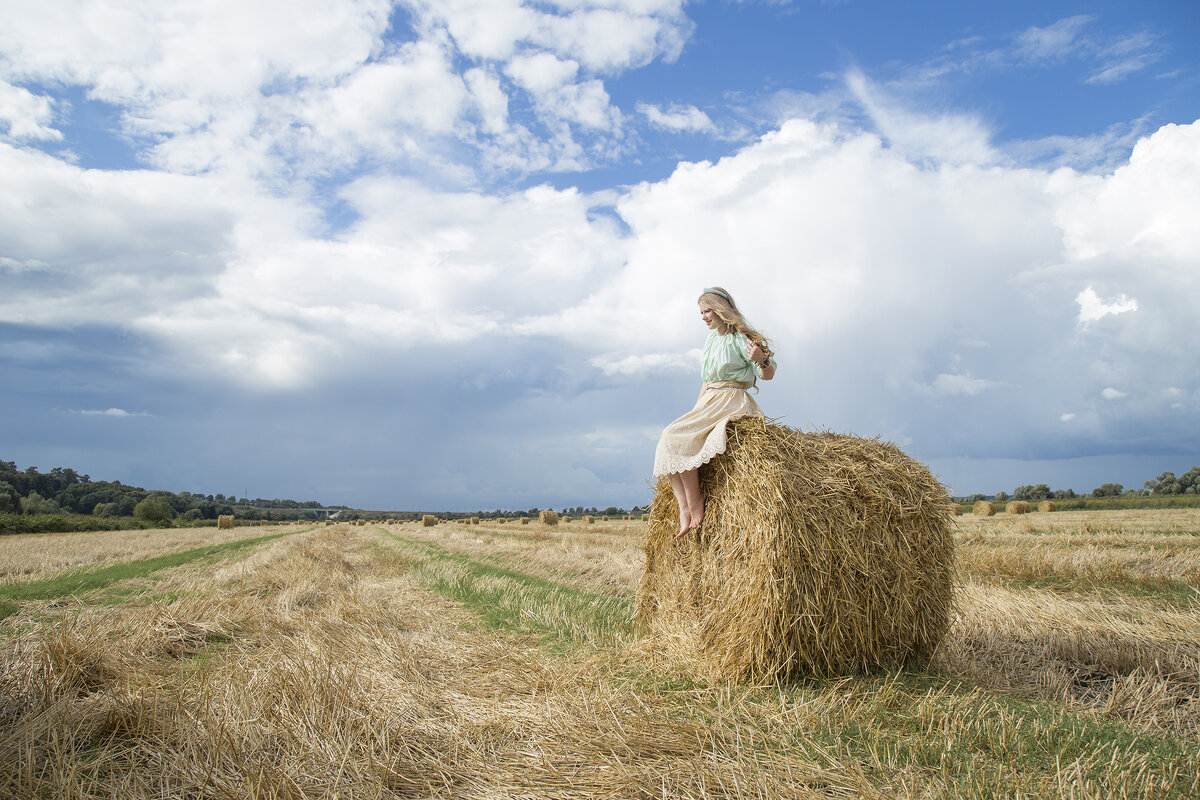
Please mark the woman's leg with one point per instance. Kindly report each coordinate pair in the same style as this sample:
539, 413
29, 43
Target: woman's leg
695, 500
685, 513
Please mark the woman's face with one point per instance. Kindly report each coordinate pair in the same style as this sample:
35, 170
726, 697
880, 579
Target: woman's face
710, 317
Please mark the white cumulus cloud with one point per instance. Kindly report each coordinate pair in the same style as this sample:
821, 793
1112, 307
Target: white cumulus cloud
1092, 308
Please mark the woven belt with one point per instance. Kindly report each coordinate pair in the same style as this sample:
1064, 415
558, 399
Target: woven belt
726, 385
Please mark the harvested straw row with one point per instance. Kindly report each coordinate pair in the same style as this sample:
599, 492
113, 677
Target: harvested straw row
224, 521
548, 517
819, 553
428, 520
1017, 507
984, 509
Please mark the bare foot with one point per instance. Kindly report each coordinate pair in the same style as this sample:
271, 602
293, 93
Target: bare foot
685, 523
697, 515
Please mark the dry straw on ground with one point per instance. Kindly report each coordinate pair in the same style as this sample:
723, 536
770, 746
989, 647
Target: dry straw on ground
984, 509
819, 553
225, 521
1047, 505
548, 517
1017, 507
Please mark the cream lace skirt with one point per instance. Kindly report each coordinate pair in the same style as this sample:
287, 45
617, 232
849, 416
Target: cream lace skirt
699, 435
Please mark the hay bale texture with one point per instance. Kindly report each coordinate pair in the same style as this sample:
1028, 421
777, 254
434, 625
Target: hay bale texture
224, 521
819, 554
428, 520
1017, 507
984, 509
548, 517
1047, 505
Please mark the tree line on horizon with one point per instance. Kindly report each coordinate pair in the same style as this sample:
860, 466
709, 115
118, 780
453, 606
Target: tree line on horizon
1165, 485
64, 491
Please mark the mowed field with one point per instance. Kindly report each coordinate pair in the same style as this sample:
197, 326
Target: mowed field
502, 661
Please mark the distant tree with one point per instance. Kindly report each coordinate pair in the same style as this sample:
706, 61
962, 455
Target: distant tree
1064, 494
106, 510
153, 509
1167, 483
1108, 490
10, 501
1034, 494
192, 514
975, 498
34, 503
1001, 496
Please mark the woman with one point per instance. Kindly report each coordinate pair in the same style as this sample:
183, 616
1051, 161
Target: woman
735, 356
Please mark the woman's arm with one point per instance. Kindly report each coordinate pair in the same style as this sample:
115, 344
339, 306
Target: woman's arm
758, 356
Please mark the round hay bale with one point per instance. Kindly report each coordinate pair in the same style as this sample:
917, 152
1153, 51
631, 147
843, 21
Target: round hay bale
645, 517
566, 517
524, 520
958, 510
1017, 507
548, 517
819, 553
984, 509
428, 520
474, 520
588, 519
1047, 505
224, 521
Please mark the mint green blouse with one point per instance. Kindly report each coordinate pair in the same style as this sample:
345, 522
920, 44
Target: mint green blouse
727, 358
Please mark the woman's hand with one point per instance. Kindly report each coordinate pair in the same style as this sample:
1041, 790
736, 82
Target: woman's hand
756, 353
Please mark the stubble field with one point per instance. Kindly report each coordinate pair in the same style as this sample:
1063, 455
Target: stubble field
501, 661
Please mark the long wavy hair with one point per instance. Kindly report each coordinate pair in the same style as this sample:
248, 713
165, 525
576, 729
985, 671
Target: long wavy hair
727, 311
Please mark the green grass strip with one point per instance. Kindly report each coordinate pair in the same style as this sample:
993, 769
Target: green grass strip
511, 600
78, 581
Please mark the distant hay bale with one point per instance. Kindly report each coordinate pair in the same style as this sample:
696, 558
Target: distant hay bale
604, 518
428, 520
958, 512
588, 519
1017, 507
1047, 505
566, 518
548, 517
819, 553
524, 520
645, 517
328, 522
984, 509
224, 521
502, 520
474, 520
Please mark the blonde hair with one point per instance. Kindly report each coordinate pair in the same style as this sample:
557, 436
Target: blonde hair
721, 302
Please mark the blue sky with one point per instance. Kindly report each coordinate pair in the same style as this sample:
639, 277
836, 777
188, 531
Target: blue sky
445, 254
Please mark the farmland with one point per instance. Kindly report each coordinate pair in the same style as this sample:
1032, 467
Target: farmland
500, 660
